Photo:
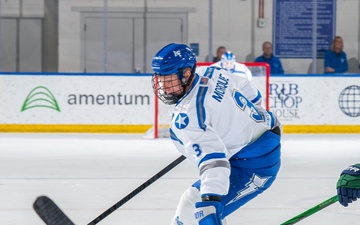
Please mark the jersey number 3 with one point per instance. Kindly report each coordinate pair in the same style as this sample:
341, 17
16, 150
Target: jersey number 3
243, 102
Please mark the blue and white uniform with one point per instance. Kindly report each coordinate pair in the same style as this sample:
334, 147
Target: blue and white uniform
237, 69
219, 124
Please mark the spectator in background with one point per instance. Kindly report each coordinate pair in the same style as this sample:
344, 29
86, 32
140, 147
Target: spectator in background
335, 58
219, 52
273, 61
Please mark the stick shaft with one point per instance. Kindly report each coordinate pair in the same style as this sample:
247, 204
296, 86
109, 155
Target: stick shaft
137, 190
51, 214
311, 211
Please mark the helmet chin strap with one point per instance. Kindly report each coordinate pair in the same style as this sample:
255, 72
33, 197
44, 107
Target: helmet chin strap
185, 83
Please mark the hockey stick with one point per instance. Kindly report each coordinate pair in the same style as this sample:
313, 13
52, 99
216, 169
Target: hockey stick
51, 214
312, 210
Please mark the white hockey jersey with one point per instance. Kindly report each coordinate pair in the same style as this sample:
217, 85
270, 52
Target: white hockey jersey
221, 113
239, 69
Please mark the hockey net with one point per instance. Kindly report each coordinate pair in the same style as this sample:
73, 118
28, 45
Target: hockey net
162, 113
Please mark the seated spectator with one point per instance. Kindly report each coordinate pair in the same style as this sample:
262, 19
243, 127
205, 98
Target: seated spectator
228, 63
219, 52
273, 61
335, 58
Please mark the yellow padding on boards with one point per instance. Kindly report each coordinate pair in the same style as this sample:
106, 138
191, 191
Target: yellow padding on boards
72, 128
320, 129
142, 128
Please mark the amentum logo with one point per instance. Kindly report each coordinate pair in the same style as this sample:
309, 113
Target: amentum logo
349, 101
40, 97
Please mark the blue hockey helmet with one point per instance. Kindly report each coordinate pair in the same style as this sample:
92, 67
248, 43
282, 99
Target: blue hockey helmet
172, 59
228, 61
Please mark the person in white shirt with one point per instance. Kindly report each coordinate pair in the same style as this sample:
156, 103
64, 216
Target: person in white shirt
219, 124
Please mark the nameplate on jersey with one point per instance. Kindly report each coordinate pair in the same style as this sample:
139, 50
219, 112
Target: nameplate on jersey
221, 85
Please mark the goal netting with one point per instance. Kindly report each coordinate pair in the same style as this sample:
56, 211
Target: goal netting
162, 112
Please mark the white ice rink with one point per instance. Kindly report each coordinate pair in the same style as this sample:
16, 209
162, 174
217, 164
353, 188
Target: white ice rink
86, 174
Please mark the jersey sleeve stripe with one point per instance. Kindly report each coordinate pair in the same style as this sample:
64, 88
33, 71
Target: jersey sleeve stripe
257, 98
200, 109
214, 164
174, 137
216, 155
238, 71
272, 120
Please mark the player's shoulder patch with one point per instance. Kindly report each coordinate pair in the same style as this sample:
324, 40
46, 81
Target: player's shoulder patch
204, 81
181, 121
209, 71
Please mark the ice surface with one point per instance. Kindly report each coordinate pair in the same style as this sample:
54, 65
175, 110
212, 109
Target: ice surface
85, 174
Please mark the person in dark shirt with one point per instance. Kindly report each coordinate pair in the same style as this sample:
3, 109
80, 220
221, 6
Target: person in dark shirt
273, 61
335, 58
219, 52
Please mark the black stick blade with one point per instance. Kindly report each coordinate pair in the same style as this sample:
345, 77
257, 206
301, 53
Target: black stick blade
50, 213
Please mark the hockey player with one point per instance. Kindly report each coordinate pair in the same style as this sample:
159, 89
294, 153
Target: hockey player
219, 125
348, 185
228, 63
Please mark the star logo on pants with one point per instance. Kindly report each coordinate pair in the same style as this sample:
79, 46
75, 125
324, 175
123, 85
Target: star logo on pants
252, 186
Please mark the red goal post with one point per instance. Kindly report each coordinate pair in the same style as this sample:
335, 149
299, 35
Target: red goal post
261, 78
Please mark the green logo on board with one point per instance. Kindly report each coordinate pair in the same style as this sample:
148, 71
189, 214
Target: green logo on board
40, 97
